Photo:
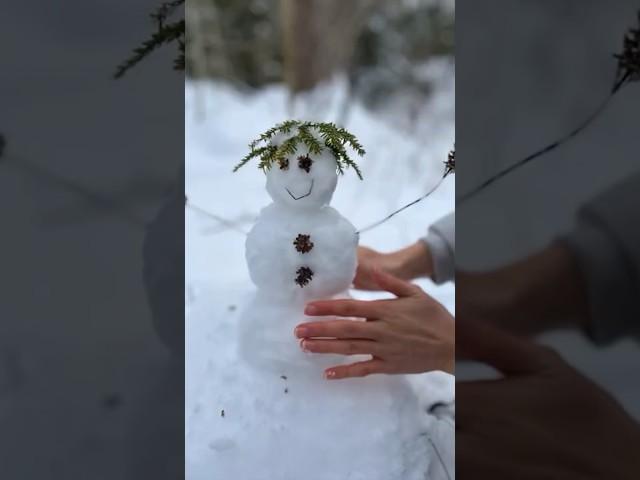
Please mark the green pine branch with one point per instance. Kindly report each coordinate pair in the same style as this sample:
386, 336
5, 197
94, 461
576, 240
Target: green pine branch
165, 10
165, 33
332, 138
262, 152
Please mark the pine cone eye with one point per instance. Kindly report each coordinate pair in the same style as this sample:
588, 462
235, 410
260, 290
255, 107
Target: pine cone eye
284, 164
305, 163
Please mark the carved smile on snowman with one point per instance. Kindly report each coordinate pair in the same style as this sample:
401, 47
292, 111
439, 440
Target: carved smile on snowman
302, 196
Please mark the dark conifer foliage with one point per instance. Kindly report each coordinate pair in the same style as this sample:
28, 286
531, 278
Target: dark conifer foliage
167, 32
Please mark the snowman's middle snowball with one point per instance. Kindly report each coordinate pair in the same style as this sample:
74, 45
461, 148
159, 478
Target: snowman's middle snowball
329, 252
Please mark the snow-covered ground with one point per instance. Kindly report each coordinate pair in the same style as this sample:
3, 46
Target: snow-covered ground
219, 122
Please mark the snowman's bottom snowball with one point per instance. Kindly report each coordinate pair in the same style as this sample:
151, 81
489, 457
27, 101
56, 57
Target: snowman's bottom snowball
283, 421
267, 342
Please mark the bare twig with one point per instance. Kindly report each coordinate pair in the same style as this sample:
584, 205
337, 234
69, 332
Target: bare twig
449, 167
628, 70
393, 214
227, 223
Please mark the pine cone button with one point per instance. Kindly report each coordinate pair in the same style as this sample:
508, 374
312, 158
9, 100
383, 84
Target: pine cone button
303, 243
305, 274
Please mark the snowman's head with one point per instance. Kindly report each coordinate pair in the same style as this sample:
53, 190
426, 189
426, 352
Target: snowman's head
302, 161
303, 180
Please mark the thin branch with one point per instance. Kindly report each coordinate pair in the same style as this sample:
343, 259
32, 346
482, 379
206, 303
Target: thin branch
217, 218
550, 147
164, 34
628, 71
401, 209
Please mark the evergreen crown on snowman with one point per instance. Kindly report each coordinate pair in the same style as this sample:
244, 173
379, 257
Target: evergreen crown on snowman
305, 158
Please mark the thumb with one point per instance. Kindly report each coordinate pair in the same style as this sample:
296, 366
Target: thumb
511, 355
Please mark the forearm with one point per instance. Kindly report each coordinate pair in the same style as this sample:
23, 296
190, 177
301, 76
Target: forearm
412, 262
549, 292
539, 293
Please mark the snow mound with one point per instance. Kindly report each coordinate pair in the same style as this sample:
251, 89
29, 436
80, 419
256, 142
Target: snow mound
255, 422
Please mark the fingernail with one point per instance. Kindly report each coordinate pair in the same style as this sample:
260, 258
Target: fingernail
329, 374
300, 332
303, 346
311, 310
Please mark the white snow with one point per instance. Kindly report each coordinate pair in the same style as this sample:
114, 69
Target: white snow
267, 419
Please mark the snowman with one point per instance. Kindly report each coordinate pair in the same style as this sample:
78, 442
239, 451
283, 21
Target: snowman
300, 249
291, 423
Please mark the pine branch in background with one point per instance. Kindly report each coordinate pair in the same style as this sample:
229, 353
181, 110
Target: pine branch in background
179, 63
628, 71
164, 11
166, 33
629, 59
450, 162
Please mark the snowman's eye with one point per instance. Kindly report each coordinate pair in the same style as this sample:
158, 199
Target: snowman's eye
284, 164
305, 163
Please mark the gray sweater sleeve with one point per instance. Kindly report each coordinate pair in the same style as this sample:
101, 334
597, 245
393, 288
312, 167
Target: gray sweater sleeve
441, 240
606, 245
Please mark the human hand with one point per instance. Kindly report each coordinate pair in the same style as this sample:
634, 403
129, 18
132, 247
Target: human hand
409, 334
522, 297
541, 420
407, 263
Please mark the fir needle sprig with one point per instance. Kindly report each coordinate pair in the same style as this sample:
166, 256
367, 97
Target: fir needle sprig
450, 162
166, 32
629, 59
628, 70
316, 136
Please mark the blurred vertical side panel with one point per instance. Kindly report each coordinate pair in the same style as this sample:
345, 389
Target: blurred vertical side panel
91, 243
548, 264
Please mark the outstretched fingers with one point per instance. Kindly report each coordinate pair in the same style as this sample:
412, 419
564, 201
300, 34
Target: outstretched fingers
340, 347
509, 354
342, 308
337, 329
358, 369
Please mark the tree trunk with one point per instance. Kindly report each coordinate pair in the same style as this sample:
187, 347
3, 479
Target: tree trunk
319, 38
